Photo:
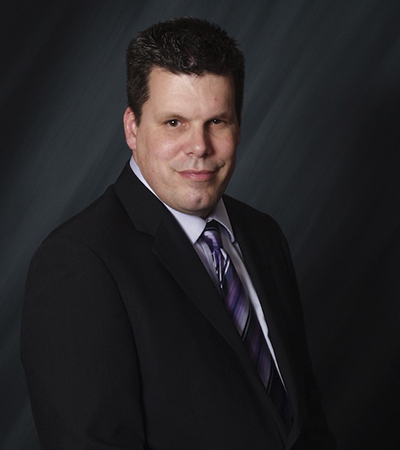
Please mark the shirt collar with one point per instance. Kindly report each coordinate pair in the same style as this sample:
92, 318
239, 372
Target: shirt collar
193, 226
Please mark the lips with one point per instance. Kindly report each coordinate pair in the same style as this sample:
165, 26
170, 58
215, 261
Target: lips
197, 175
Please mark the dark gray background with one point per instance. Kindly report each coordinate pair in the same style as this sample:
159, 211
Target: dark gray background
319, 152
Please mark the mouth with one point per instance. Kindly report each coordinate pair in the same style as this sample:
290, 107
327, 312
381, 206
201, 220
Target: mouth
197, 175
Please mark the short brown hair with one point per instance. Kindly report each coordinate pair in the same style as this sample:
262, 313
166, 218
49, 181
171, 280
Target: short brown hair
185, 45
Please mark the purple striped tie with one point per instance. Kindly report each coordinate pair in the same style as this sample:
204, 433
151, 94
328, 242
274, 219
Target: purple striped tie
246, 322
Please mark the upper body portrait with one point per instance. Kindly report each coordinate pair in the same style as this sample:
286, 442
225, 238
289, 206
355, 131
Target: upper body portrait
166, 315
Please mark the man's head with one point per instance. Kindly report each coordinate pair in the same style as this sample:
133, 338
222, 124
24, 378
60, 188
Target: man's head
185, 89
185, 45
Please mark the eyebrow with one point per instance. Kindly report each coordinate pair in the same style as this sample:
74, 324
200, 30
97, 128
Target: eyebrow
162, 116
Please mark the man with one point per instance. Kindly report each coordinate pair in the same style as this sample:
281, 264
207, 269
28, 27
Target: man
166, 315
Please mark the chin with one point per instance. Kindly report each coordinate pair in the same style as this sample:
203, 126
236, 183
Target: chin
202, 211
198, 205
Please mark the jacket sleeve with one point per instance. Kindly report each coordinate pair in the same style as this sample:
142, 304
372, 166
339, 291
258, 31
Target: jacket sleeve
78, 352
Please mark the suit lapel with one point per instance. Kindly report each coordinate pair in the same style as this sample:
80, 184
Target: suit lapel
177, 254
179, 257
175, 251
261, 270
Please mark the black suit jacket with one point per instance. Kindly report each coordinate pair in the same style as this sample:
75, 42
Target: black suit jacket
127, 344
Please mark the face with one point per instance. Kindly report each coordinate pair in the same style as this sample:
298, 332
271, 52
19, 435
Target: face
185, 144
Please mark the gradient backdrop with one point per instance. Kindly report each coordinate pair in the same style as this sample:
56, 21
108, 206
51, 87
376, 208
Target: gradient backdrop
319, 152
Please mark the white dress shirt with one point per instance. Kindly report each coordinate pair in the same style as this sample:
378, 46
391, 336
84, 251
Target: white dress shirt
193, 226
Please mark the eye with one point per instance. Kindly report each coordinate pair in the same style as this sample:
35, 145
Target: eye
216, 121
173, 123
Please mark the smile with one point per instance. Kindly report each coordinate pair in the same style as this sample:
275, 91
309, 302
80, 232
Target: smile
197, 175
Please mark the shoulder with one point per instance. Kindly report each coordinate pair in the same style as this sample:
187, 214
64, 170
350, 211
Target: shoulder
82, 240
109, 218
257, 232
112, 215
97, 224
242, 214
100, 217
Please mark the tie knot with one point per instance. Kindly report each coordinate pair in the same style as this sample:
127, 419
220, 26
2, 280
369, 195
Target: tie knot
212, 235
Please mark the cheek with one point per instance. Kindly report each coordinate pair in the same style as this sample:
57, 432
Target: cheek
229, 154
160, 159
162, 149
226, 146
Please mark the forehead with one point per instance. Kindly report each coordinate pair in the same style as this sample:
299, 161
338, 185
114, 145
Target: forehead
170, 88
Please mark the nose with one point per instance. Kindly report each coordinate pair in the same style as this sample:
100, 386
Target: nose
198, 142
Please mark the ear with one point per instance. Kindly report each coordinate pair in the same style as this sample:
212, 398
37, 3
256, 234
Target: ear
130, 128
